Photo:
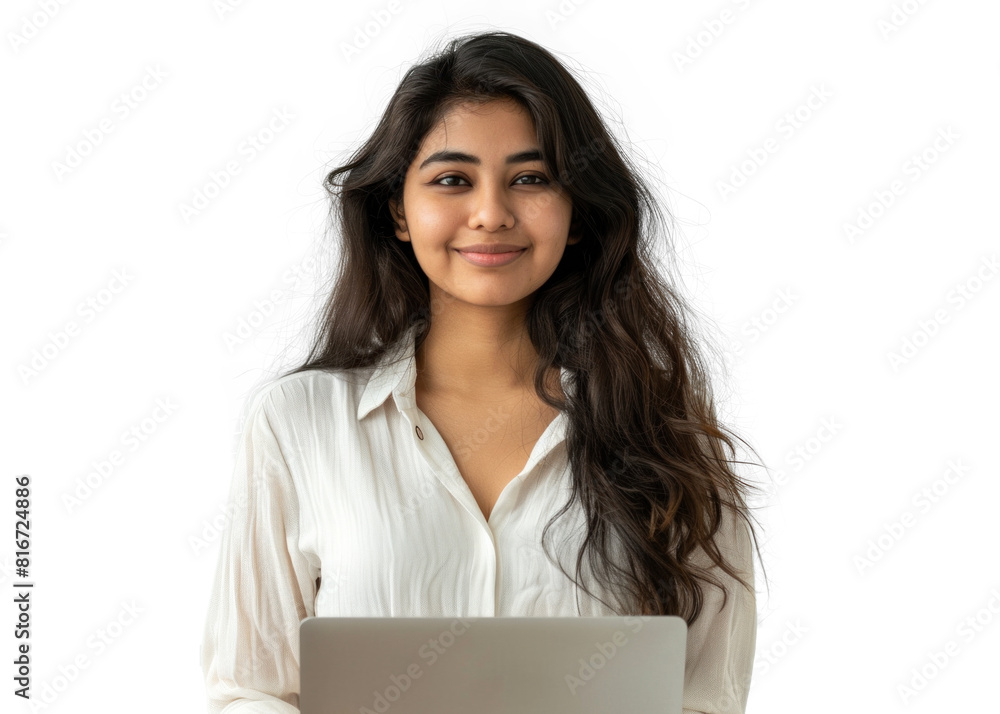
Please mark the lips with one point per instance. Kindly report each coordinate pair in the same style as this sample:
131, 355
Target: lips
491, 248
492, 255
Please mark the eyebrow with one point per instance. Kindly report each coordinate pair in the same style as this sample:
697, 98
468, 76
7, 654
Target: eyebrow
449, 155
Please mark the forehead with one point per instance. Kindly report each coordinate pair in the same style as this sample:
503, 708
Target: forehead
481, 127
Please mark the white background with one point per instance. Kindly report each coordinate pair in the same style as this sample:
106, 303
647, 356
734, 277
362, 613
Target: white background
834, 635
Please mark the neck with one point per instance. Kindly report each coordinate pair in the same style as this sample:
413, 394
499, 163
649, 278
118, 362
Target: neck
477, 351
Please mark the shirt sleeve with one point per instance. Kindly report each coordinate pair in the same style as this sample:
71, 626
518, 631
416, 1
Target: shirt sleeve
264, 586
721, 643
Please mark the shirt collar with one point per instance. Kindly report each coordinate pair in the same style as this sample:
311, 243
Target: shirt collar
396, 374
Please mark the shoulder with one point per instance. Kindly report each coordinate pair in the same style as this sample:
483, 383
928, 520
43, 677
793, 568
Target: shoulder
734, 540
312, 398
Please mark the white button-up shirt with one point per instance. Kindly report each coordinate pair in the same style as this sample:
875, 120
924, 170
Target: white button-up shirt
347, 503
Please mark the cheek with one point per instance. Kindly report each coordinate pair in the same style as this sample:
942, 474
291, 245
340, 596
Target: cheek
435, 221
550, 230
550, 215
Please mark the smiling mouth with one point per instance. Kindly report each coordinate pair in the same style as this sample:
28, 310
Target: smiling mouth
492, 248
492, 258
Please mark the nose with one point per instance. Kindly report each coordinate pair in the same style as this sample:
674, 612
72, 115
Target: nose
491, 209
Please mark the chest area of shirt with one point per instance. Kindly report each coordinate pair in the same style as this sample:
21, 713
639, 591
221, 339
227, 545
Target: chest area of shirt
490, 443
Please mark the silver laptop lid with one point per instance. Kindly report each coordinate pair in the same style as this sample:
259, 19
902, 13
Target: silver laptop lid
491, 665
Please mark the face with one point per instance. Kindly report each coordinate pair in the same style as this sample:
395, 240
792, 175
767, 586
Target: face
478, 179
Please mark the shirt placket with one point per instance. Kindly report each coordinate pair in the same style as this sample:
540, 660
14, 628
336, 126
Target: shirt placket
432, 448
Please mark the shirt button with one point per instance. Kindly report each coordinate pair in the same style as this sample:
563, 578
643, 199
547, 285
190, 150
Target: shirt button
420, 434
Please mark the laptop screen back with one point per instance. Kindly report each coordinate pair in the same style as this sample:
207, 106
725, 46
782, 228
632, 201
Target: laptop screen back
492, 665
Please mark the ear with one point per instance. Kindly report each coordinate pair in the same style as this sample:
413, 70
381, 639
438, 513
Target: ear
399, 222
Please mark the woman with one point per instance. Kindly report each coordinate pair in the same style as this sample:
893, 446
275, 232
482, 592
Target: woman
498, 369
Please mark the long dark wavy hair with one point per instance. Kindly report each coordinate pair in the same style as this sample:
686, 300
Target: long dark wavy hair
648, 455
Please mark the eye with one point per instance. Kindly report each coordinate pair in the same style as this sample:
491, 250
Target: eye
541, 180
449, 176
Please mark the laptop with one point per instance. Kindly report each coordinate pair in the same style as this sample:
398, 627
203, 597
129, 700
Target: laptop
491, 665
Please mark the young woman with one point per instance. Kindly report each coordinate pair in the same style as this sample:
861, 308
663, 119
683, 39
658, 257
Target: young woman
498, 374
